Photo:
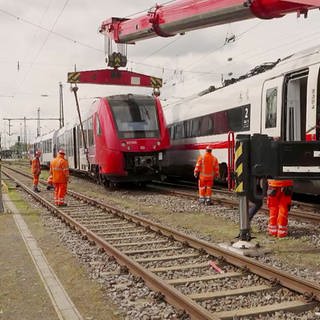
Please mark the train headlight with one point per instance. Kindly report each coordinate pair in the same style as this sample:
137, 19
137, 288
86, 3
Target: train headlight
158, 143
129, 148
123, 144
156, 92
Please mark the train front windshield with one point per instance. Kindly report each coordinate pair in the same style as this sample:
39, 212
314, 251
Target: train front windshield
135, 117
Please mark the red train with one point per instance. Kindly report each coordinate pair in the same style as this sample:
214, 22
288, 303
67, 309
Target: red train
125, 140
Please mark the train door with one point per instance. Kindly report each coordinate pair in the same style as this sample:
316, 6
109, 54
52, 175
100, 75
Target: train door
270, 117
79, 146
313, 104
293, 127
317, 125
75, 146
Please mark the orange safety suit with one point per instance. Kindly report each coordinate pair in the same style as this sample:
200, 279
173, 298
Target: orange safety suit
279, 202
207, 168
36, 170
59, 169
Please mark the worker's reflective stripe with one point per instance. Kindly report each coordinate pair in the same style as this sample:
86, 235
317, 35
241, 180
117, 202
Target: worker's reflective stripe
207, 175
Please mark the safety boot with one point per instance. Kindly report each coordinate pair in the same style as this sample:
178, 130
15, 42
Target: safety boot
208, 202
201, 201
63, 205
35, 189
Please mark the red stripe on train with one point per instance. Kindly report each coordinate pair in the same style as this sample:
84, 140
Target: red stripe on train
311, 137
199, 146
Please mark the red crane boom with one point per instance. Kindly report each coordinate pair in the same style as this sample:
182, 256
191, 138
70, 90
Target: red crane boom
186, 15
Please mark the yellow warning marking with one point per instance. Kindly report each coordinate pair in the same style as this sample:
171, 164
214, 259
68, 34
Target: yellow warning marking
156, 82
239, 170
117, 60
239, 151
239, 187
73, 77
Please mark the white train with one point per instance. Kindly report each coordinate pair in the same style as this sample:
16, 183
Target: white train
280, 99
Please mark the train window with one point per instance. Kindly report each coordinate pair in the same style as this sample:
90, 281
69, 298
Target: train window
195, 130
239, 118
98, 126
206, 126
69, 143
135, 117
79, 136
90, 132
235, 119
178, 132
85, 132
171, 132
318, 110
187, 129
271, 108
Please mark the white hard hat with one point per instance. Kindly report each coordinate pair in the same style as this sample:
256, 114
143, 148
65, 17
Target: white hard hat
61, 151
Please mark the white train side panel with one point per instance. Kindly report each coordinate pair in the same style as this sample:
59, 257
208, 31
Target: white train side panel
282, 102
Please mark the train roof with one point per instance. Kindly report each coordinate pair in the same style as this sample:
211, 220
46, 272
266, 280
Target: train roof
45, 136
290, 63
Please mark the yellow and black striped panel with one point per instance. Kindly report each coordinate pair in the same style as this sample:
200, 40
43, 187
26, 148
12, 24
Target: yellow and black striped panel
73, 77
156, 82
239, 167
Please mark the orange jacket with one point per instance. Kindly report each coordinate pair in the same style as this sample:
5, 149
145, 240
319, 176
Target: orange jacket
59, 169
280, 183
35, 167
208, 166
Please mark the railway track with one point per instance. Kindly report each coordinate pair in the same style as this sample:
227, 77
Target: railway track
300, 210
201, 278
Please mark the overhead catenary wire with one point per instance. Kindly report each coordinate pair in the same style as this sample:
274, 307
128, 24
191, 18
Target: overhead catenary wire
44, 42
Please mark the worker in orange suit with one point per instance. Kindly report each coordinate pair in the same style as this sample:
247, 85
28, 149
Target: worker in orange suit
206, 169
59, 169
279, 202
36, 170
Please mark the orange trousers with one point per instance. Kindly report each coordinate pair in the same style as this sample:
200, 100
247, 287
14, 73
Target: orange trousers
205, 188
279, 205
60, 190
35, 180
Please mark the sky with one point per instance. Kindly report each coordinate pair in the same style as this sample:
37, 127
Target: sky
43, 40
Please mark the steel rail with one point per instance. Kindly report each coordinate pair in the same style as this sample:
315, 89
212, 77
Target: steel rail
291, 282
310, 290
170, 294
299, 215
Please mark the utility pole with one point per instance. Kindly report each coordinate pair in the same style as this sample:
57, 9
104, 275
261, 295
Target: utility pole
9, 125
25, 131
38, 123
61, 112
